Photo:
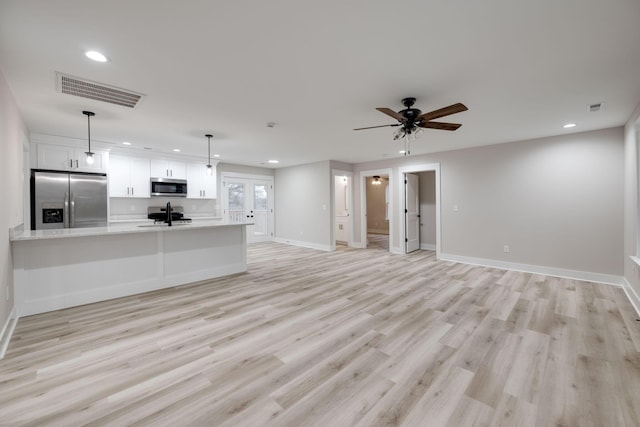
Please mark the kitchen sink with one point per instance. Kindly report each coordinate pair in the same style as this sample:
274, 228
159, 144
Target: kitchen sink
163, 225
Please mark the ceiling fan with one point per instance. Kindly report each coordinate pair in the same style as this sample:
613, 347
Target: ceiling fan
411, 119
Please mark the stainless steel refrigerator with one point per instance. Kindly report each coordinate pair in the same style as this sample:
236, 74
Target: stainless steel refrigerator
68, 200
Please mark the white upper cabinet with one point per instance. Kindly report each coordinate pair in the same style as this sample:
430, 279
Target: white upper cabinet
128, 176
168, 169
64, 158
200, 185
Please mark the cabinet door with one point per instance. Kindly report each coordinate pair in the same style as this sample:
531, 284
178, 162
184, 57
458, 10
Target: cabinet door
159, 168
140, 174
99, 165
55, 157
209, 184
194, 180
118, 176
177, 170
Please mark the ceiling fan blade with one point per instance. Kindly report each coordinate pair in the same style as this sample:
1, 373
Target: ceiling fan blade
381, 126
391, 113
451, 109
440, 125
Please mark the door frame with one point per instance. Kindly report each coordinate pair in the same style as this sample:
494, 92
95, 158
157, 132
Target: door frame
363, 206
426, 167
249, 178
336, 173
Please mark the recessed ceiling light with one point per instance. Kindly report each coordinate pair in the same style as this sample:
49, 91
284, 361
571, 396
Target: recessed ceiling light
216, 155
126, 143
177, 150
569, 125
96, 56
274, 161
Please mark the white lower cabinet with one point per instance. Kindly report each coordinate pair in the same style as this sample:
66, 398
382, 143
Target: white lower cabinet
128, 176
200, 185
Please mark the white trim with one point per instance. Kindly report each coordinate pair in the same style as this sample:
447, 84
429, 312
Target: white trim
426, 167
396, 250
427, 246
633, 297
300, 243
7, 331
608, 279
363, 205
236, 175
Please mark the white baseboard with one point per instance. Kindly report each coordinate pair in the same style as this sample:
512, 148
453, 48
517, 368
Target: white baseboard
608, 279
300, 243
428, 246
634, 299
7, 331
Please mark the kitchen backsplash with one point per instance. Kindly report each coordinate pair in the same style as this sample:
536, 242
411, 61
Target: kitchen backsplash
132, 209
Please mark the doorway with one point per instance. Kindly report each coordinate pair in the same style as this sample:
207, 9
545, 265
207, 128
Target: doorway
420, 207
342, 207
249, 198
377, 217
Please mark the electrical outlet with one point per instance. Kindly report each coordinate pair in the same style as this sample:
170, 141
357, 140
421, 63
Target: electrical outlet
506, 249
132, 208
455, 208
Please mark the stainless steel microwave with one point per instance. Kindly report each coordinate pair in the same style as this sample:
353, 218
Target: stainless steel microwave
168, 187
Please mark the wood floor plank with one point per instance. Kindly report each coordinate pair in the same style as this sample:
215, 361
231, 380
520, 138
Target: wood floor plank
355, 337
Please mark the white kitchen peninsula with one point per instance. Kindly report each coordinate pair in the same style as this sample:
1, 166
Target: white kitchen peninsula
55, 269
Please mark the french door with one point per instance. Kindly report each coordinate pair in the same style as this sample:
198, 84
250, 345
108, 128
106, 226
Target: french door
250, 200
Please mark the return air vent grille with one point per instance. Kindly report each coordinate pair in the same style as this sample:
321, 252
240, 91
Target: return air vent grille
98, 91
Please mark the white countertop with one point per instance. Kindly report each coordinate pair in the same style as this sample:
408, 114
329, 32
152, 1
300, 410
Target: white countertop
120, 228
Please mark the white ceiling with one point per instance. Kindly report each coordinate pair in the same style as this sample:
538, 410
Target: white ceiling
319, 69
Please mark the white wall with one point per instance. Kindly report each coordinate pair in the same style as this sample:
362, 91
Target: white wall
557, 202
427, 188
303, 204
631, 179
12, 139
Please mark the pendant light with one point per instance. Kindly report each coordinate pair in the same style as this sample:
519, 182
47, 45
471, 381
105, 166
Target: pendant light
209, 167
89, 153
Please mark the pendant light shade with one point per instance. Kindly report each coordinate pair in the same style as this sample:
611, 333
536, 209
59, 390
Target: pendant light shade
209, 166
89, 153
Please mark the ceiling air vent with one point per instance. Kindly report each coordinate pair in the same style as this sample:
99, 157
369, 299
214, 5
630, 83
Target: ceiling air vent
595, 107
98, 91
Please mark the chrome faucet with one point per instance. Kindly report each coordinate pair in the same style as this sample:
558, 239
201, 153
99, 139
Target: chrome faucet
168, 221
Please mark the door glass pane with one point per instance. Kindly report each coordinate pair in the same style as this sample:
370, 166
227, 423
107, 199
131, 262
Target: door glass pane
235, 194
260, 209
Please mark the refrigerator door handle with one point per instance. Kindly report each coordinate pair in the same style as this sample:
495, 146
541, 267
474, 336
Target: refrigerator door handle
65, 215
72, 212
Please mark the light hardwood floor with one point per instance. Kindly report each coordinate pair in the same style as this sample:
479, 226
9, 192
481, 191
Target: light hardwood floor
349, 338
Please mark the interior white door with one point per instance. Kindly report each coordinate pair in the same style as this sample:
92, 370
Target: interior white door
412, 213
250, 200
